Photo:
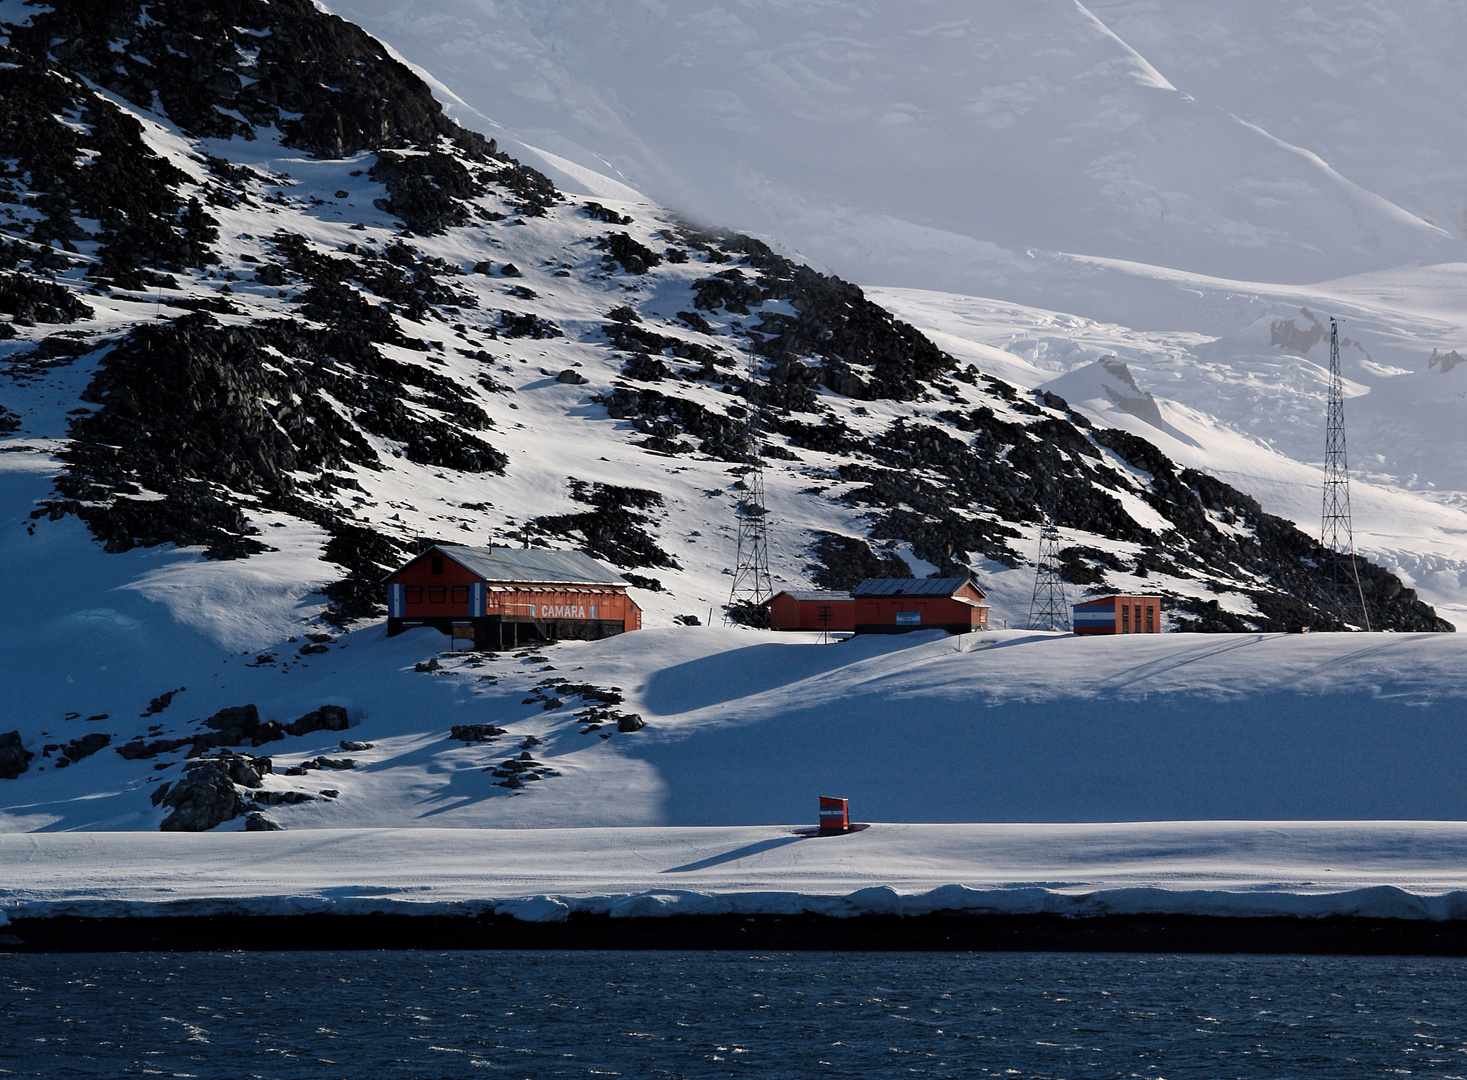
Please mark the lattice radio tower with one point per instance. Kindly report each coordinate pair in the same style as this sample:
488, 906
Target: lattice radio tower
1335, 533
1048, 610
752, 583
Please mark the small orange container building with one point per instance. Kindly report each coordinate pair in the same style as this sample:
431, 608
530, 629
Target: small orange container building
835, 814
896, 605
816, 609
1118, 615
496, 598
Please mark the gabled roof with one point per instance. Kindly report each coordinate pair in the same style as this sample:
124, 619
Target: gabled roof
812, 594
538, 566
896, 586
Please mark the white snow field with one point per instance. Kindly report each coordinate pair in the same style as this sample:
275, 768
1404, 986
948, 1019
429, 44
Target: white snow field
1375, 870
1161, 182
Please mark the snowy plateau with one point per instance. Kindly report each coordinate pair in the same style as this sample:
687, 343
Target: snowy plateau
271, 319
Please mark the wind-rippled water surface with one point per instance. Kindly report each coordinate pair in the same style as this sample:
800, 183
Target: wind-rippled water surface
711, 1014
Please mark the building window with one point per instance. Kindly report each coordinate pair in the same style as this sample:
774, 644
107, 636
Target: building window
435, 564
1125, 618
460, 594
1150, 615
414, 594
437, 594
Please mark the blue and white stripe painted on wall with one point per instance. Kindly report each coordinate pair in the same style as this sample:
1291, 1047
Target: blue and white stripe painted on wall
1097, 615
478, 598
397, 600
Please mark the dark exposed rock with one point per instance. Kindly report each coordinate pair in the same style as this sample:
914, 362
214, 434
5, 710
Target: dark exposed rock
728, 289
469, 733
621, 250
160, 792
14, 757
30, 300
663, 415
137, 750
843, 562
162, 701
1444, 361
615, 529
187, 403
223, 69
351, 746
129, 190
571, 376
525, 325
258, 822
86, 746
243, 769
1285, 333
631, 722
326, 718
334, 763
587, 691
427, 191
281, 798
239, 721
602, 213
694, 321
206, 797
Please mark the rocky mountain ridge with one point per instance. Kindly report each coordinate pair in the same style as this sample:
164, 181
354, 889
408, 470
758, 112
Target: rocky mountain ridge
280, 286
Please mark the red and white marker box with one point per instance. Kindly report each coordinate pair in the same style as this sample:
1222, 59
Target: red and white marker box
835, 814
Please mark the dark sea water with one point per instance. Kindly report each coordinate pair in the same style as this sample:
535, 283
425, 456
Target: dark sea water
713, 1014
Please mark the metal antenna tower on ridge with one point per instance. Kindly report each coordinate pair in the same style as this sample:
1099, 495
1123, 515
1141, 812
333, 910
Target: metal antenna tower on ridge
752, 583
1048, 610
1336, 535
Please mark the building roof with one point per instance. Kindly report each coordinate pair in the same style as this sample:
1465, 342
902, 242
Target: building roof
813, 594
1111, 598
539, 566
896, 586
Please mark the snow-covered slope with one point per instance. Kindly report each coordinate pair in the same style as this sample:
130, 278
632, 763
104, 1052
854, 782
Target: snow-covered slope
873, 136
746, 727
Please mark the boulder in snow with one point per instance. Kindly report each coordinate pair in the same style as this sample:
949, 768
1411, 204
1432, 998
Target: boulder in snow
326, 718
14, 758
203, 799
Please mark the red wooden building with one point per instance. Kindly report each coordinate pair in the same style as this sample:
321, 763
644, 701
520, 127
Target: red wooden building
896, 605
497, 598
814, 609
1118, 615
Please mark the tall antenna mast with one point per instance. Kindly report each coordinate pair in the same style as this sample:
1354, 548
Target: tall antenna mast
1048, 610
1336, 535
752, 583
